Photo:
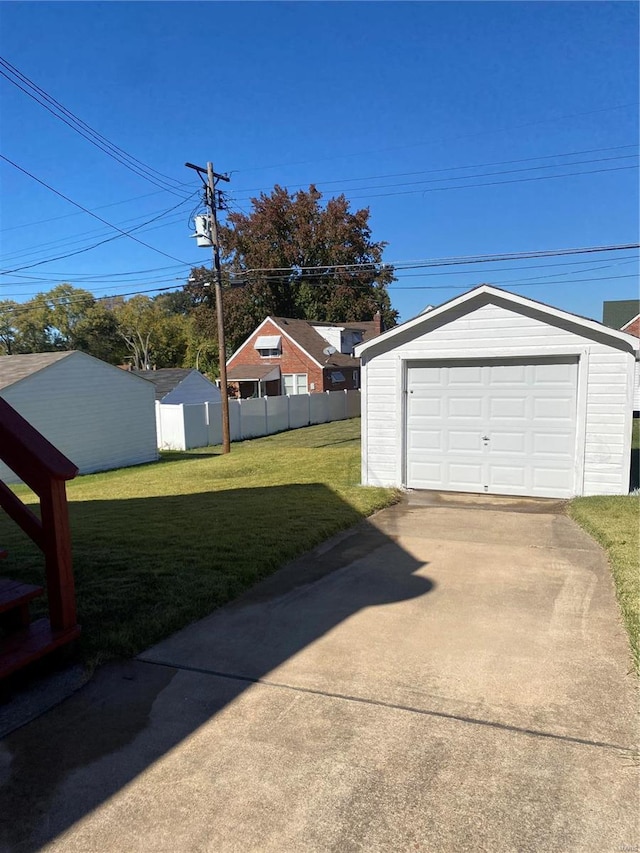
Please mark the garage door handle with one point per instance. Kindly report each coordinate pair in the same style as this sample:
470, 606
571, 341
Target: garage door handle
485, 438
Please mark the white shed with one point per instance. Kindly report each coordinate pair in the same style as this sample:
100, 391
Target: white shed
175, 385
99, 416
494, 393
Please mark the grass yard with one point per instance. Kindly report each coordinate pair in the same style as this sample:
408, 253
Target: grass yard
161, 545
615, 523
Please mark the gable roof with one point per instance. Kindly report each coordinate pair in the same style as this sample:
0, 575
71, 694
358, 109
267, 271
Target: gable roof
632, 327
617, 313
166, 379
14, 368
504, 296
305, 335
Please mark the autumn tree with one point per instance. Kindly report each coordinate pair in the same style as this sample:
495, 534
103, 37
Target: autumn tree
293, 257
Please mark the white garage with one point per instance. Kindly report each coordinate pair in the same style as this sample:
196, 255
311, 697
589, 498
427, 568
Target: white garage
498, 394
99, 416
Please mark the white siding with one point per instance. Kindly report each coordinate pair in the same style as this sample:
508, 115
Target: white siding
636, 388
493, 330
100, 417
194, 388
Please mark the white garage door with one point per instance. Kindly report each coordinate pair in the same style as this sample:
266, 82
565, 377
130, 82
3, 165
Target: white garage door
501, 427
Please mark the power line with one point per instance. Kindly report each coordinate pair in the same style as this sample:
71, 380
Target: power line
87, 211
13, 257
106, 278
456, 168
31, 222
445, 139
484, 184
456, 260
49, 103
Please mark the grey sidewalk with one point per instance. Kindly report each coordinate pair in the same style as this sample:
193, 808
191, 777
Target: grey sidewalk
443, 678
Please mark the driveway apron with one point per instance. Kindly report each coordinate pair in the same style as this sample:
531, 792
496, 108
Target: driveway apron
445, 677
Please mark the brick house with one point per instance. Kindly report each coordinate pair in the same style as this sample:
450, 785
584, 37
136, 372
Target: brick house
286, 356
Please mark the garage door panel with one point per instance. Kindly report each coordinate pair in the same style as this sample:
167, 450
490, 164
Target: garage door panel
464, 407
554, 444
465, 376
464, 441
507, 442
426, 407
507, 407
510, 374
554, 408
554, 374
464, 476
428, 439
507, 475
497, 428
430, 473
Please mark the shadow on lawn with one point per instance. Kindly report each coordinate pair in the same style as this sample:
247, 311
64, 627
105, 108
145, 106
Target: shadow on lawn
68, 762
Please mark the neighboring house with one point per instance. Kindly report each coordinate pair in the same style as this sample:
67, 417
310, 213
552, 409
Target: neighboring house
286, 356
178, 385
618, 313
99, 416
495, 393
624, 314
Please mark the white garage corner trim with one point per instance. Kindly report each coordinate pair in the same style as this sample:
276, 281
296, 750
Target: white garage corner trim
498, 394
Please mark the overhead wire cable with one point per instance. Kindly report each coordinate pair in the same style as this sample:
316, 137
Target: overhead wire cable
454, 168
53, 106
87, 211
632, 104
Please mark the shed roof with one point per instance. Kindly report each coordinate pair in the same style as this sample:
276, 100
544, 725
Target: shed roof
166, 379
487, 290
13, 368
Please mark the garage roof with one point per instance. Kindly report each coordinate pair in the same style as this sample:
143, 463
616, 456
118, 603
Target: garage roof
503, 296
13, 368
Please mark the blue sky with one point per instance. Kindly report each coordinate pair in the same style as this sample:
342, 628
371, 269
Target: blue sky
338, 94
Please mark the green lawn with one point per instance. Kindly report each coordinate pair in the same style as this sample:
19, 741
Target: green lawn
615, 523
161, 545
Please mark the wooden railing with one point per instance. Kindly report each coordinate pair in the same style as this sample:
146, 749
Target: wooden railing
45, 470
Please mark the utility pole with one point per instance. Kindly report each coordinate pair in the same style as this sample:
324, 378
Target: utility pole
212, 179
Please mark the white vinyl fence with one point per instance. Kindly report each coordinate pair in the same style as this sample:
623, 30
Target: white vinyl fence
184, 426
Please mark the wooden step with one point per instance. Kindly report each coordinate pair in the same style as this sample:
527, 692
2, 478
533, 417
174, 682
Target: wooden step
14, 594
30, 644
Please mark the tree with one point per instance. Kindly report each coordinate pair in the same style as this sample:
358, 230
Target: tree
8, 331
283, 256
69, 307
152, 336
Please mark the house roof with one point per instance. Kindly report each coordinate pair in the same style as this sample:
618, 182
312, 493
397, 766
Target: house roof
632, 327
503, 296
305, 334
166, 379
13, 368
618, 313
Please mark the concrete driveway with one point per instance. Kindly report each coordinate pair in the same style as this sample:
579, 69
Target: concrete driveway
446, 677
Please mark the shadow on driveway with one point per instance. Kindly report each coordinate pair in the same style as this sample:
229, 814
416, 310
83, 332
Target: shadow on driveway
63, 765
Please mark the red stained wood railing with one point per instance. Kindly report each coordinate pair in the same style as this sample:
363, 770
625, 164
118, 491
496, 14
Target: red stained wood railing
45, 470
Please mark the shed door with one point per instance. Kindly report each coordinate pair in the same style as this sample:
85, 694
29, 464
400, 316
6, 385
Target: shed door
501, 427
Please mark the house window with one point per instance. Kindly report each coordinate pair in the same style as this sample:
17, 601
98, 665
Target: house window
268, 346
295, 383
337, 376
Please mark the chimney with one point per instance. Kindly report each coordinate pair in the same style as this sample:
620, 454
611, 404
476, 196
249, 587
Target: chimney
377, 319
